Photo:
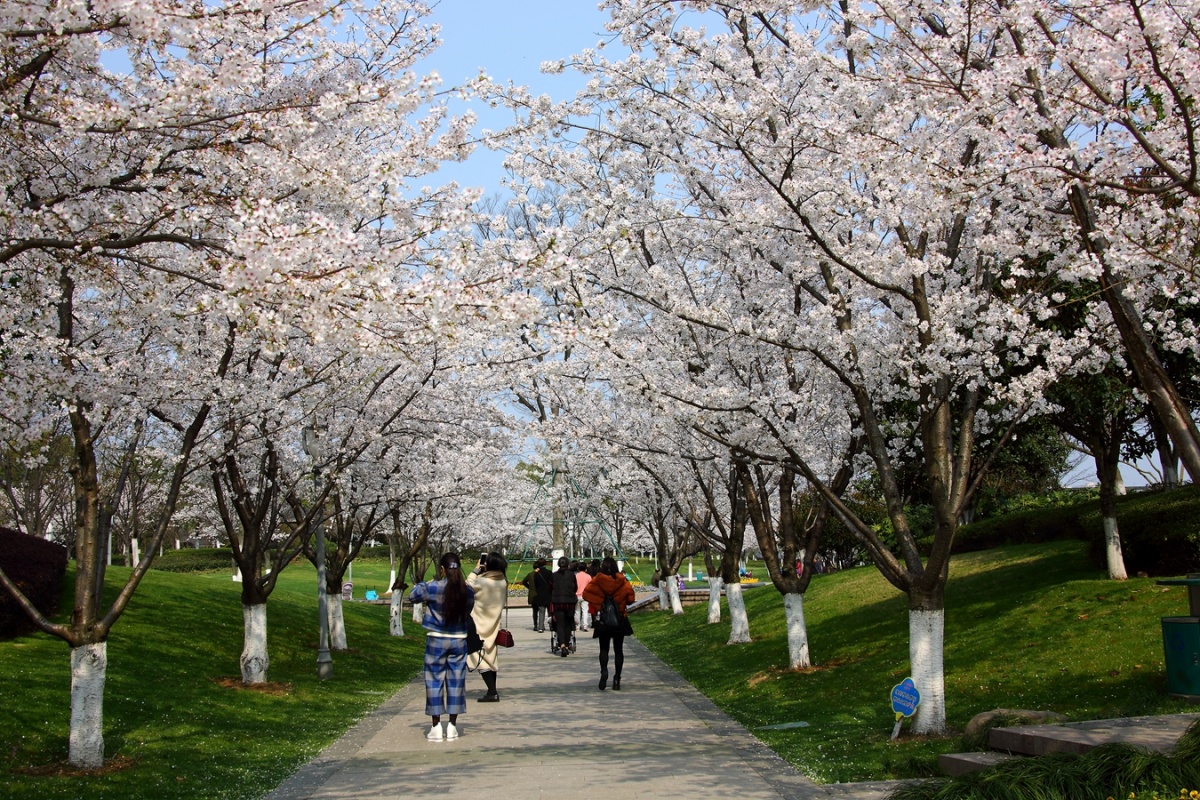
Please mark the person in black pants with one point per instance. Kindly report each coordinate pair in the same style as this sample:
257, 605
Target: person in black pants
610, 583
562, 595
530, 584
542, 581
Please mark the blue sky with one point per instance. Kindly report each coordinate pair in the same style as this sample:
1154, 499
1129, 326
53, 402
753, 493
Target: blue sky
509, 39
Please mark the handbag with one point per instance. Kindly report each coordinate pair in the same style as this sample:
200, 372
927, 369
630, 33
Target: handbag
504, 637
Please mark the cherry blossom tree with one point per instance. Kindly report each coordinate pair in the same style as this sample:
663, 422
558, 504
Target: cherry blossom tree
723, 529
845, 224
36, 486
1099, 102
183, 182
440, 444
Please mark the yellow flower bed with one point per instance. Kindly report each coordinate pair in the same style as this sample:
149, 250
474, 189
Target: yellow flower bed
1184, 794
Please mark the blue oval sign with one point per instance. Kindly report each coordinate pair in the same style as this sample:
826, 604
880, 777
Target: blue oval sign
905, 698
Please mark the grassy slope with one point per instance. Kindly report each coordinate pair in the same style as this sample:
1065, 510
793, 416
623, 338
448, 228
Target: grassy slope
1028, 627
186, 735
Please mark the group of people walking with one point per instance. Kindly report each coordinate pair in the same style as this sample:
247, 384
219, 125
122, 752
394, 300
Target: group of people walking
455, 604
561, 591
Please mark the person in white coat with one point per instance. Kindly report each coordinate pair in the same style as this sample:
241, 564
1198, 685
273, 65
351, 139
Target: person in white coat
490, 582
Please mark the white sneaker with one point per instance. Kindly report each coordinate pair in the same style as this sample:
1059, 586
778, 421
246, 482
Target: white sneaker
435, 733
451, 730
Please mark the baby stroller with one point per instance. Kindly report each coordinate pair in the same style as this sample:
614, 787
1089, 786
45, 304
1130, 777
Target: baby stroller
554, 649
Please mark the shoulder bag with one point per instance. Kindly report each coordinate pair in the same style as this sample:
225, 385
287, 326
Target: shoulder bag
504, 637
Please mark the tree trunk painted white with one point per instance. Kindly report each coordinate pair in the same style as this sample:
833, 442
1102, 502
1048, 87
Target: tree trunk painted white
797, 631
418, 612
396, 613
663, 601
337, 623
739, 623
89, 666
1112, 547
926, 641
254, 659
1170, 470
714, 601
673, 594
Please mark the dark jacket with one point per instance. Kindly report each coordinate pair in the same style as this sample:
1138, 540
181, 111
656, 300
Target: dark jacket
563, 593
542, 580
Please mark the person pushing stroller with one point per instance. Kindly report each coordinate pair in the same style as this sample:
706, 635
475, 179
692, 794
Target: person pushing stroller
563, 600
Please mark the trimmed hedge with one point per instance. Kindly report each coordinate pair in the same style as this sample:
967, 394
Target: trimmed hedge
1160, 530
206, 559
38, 568
376, 553
220, 559
1029, 526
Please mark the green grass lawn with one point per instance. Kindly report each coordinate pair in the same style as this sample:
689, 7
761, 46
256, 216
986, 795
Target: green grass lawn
1027, 627
180, 733
1031, 626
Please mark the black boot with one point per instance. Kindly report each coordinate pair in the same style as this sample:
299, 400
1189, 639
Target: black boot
489, 679
617, 682
603, 679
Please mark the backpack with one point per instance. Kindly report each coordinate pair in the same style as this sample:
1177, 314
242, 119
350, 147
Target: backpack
608, 620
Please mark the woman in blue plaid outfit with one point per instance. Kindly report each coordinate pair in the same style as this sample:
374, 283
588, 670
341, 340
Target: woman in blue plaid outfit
448, 602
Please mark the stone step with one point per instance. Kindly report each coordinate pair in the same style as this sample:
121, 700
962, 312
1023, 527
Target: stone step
1156, 733
955, 764
1159, 733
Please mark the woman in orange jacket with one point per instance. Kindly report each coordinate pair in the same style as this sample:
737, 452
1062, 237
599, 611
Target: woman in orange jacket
609, 583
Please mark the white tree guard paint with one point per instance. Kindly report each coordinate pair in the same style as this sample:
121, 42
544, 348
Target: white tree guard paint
673, 594
254, 659
396, 613
1112, 547
337, 622
739, 623
926, 640
714, 600
663, 601
89, 666
418, 612
797, 631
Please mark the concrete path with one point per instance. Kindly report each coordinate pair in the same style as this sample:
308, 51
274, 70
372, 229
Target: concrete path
557, 736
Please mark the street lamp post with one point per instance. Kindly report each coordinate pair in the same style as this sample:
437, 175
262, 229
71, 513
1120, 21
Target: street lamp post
314, 448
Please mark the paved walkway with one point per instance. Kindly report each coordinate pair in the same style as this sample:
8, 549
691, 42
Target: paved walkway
554, 734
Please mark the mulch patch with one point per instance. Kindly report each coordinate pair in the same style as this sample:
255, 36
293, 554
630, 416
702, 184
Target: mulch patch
274, 689
62, 769
775, 673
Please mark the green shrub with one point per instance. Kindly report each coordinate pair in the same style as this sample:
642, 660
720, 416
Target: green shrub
379, 552
37, 567
1160, 531
1030, 526
208, 559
